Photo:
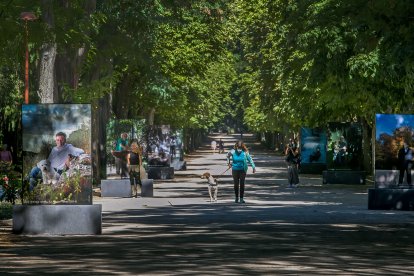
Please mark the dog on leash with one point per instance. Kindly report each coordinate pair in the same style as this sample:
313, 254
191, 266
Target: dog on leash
49, 176
212, 185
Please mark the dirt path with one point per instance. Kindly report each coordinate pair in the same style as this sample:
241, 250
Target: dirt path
314, 229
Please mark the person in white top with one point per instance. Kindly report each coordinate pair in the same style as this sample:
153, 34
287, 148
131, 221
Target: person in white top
58, 158
213, 146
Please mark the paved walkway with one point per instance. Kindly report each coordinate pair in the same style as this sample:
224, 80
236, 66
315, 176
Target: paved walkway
314, 229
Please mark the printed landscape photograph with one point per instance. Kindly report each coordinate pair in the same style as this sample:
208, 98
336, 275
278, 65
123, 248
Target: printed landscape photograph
392, 131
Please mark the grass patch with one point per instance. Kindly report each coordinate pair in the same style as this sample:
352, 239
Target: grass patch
6, 210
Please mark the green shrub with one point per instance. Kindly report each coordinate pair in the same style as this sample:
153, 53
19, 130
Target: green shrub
6, 210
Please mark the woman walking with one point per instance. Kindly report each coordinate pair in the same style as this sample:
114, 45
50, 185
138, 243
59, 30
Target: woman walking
238, 159
292, 160
134, 161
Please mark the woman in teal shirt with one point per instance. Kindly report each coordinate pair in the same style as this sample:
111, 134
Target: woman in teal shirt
238, 159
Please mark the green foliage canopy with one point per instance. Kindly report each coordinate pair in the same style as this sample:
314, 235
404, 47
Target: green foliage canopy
310, 62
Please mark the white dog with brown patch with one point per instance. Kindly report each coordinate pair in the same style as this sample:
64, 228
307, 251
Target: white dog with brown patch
212, 186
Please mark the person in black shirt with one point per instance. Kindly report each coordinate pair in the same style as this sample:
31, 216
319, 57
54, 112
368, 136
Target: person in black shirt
221, 146
134, 161
405, 159
292, 160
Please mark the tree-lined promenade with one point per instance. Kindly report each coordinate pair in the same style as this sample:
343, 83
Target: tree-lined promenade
270, 65
266, 67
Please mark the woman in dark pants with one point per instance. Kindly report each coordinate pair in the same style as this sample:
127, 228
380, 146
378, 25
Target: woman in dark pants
238, 159
292, 161
134, 161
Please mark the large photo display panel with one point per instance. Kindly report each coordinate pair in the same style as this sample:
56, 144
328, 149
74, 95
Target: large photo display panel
176, 144
119, 136
165, 144
57, 162
313, 145
159, 151
344, 150
393, 149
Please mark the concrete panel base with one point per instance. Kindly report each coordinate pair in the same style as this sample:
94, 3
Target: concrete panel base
179, 165
312, 168
343, 177
389, 178
160, 172
116, 188
391, 199
147, 189
57, 219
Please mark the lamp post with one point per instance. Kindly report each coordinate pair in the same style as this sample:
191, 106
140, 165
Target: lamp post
27, 16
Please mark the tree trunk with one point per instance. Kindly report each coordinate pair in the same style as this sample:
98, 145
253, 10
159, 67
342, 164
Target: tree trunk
58, 70
101, 112
151, 116
100, 117
121, 102
47, 79
69, 60
188, 140
367, 147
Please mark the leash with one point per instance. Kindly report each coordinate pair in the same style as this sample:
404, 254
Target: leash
223, 172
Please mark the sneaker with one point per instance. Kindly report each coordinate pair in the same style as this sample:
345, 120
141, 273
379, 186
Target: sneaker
242, 200
236, 200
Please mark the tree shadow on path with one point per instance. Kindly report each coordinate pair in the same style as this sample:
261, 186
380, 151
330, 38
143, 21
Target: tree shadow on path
314, 229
